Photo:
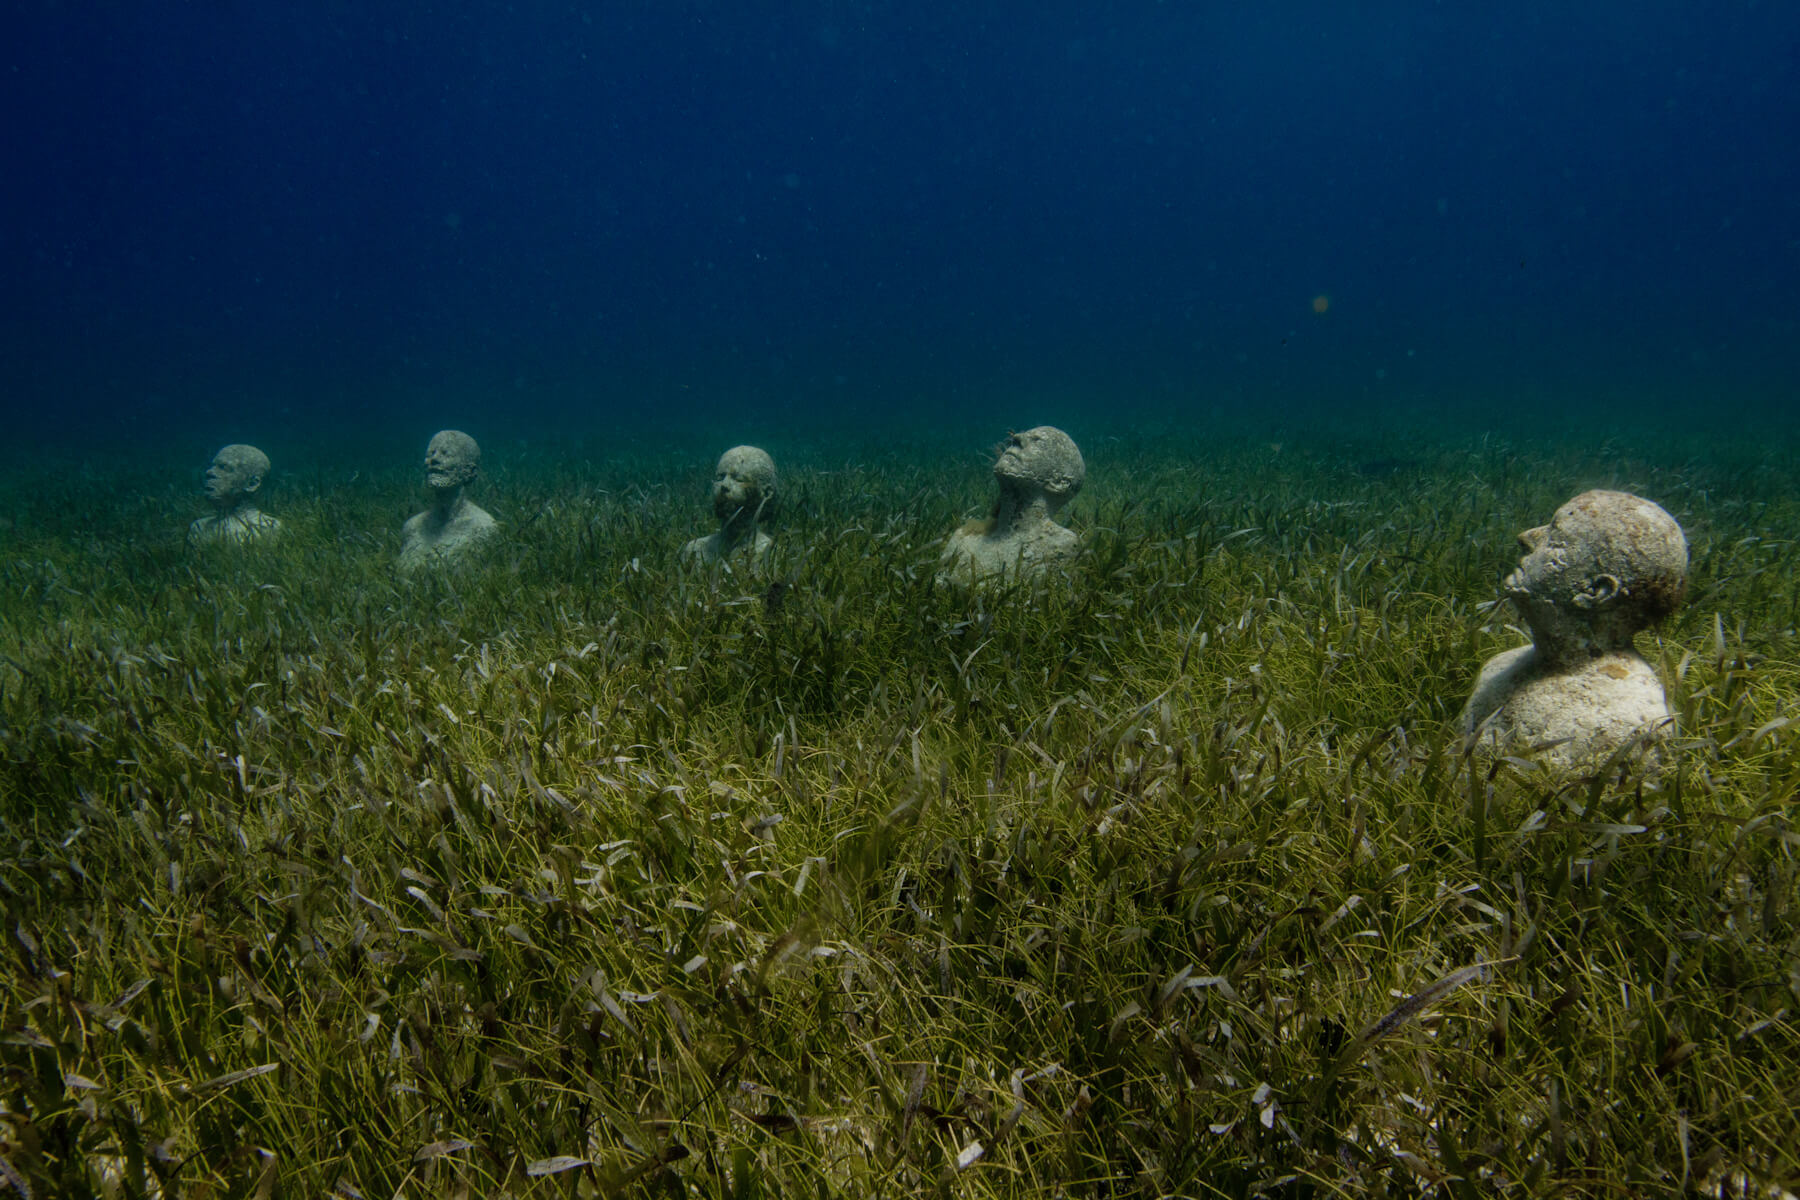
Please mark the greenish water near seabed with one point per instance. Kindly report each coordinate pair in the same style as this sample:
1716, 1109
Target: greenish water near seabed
572, 873
572, 869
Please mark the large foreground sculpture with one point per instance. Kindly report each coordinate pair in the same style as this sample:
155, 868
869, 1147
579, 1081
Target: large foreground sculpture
1606, 567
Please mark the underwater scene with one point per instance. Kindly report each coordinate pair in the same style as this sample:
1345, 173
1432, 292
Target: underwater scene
848, 599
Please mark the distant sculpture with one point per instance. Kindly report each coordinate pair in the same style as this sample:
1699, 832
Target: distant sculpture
232, 481
744, 494
454, 524
1038, 471
1607, 566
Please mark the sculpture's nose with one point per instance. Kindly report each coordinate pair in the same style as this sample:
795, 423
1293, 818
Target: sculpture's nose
1532, 538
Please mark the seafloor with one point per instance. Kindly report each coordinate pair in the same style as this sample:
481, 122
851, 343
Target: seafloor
576, 872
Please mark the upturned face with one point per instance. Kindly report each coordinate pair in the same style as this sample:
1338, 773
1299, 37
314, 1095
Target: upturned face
743, 479
1044, 458
1018, 455
1543, 572
1602, 550
451, 460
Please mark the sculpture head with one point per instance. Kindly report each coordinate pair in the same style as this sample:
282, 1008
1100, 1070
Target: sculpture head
237, 471
1042, 460
452, 459
744, 485
1606, 566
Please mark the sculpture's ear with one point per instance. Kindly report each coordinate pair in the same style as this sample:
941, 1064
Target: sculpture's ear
252, 483
1601, 591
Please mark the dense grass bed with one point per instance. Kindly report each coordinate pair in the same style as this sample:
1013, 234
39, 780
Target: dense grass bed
575, 873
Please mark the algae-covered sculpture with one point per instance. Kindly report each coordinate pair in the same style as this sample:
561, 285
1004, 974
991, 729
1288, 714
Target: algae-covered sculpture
1608, 566
454, 524
1038, 471
743, 495
232, 481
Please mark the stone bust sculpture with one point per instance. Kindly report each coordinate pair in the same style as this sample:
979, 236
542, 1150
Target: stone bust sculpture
454, 524
1038, 471
232, 481
744, 494
1608, 565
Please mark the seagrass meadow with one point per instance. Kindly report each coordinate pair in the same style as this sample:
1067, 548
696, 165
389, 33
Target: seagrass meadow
575, 873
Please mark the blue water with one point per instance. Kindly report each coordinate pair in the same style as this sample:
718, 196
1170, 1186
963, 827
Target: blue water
272, 221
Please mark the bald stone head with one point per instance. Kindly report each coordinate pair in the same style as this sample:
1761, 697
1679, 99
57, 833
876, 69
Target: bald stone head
232, 481
1039, 471
1608, 565
452, 460
1043, 460
237, 471
744, 485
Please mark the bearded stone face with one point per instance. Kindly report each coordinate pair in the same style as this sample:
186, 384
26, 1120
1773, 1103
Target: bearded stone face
743, 482
452, 459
